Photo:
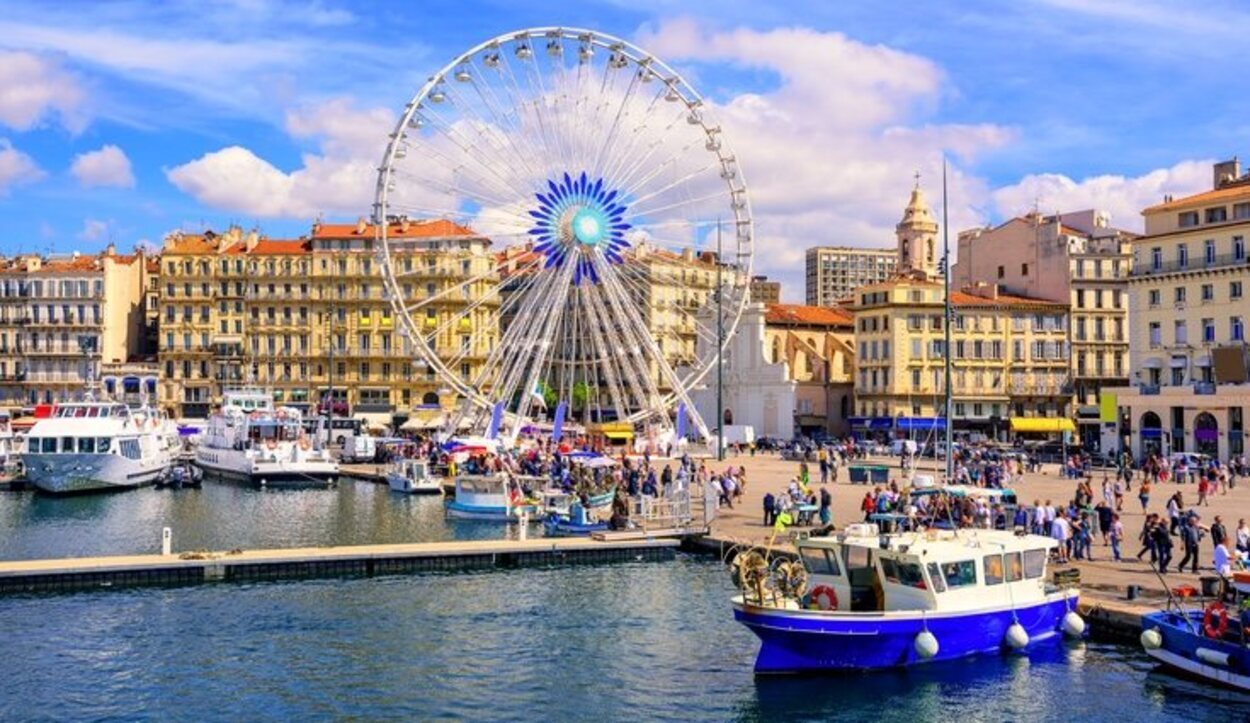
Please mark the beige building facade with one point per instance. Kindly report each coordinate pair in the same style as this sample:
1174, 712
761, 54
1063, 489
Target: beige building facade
1076, 258
62, 318
1188, 309
764, 291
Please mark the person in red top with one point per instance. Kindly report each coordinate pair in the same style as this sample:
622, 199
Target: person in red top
868, 506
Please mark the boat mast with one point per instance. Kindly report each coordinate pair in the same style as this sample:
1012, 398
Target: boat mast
950, 317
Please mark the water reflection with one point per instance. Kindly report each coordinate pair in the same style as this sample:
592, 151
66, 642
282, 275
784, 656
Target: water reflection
222, 516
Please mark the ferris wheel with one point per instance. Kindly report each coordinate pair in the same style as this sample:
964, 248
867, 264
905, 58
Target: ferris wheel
620, 230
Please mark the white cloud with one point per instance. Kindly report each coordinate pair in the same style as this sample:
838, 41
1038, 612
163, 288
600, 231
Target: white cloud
107, 167
33, 87
16, 168
338, 179
93, 229
1124, 197
829, 154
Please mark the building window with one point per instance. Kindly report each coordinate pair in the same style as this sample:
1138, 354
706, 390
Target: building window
1208, 330
1236, 329
1239, 246
1188, 219
1156, 258
1219, 214
1182, 255
1208, 292
1208, 251
1156, 334
1180, 335
1154, 297
1178, 295
1024, 269
1001, 272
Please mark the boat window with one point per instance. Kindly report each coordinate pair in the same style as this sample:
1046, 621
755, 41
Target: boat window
993, 569
86, 445
49, 445
67, 445
909, 574
129, 448
1015, 566
959, 574
33, 446
889, 568
1034, 563
935, 576
856, 556
820, 562
103, 444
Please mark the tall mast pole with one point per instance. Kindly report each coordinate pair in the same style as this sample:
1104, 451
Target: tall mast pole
950, 317
720, 345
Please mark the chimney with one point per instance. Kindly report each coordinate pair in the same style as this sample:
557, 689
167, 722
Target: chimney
316, 226
361, 226
403, 224
110, 250
253, 237
1227, 172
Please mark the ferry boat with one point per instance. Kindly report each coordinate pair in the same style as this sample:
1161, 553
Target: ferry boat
250, 440
884, 601
413, 477
490, 497
1211, 643
89, 446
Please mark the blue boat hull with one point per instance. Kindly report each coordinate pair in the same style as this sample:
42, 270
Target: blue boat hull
795, 641
478, 512
1182, 643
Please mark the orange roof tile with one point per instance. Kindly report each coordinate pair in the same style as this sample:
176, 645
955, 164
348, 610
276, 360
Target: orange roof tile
813, 315
433, 228
70, 265
960, 298
1239, 190
267, 247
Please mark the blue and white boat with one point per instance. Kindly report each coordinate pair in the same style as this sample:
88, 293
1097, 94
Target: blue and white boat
490, 497
1208, 643
885, 601
571, 519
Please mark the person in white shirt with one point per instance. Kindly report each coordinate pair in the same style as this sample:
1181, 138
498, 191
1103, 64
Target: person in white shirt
1243, 536
1222, 565
1061, 531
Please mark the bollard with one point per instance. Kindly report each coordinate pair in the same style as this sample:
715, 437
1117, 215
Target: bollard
167, 542
525, 525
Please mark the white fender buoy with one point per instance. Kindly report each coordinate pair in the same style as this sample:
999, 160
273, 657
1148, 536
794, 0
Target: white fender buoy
1073, 625
1151, 639
1016, 636
926, 645
1212, 657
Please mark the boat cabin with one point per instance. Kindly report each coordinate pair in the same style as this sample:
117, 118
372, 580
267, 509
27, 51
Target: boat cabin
938, 570
247, 401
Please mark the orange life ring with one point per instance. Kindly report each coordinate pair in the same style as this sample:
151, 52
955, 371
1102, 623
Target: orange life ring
1215, 630
823, 597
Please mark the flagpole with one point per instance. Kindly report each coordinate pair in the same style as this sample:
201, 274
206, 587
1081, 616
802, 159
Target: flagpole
720, 344
949, 312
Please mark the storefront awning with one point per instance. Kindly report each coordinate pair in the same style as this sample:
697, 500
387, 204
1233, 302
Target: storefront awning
920, 424
871, 422
374, 420
1179, 362
1041, 424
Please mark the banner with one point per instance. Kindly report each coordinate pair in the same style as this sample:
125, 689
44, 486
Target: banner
1108, 411
681, 420
557, 429
496, 420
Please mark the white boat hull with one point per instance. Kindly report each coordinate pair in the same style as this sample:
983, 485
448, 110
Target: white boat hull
409, 486
282, 471
70, 473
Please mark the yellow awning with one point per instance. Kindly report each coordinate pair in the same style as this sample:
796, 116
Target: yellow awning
1041, 424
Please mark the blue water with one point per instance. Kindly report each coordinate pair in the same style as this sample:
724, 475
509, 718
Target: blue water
223, 516
646, 641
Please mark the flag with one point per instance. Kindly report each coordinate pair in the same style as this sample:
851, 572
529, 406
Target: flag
557, 429
784, 520
681, 420
537, 394
496, 420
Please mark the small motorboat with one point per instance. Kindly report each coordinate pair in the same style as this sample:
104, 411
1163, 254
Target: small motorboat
413, 477
571, 519
1211, 643
183, 474
491, 497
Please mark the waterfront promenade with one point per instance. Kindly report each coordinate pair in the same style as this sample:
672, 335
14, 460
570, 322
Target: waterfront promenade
769, 473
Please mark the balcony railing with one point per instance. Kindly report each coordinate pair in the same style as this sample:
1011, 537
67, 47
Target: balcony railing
1192, 264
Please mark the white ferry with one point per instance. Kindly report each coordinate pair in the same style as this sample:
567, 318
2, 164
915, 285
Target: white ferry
250, 440
883, 601
89, 446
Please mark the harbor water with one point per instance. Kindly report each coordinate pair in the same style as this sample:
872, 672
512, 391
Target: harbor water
637, 641
646, 641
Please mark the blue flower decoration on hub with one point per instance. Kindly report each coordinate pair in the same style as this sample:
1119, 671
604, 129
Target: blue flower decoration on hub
578, 217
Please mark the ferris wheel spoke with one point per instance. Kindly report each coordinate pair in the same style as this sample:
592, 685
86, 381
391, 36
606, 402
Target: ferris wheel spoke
628, 152
484, 171
631, 165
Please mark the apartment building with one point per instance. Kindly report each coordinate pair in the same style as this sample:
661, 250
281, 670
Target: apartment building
834, 272
62, 318
1077, 258
1189, 387
764, 291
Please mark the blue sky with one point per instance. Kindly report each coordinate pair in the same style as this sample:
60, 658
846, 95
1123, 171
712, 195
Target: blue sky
123, 121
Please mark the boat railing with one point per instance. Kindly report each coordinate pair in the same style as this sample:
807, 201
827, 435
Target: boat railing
674, 511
